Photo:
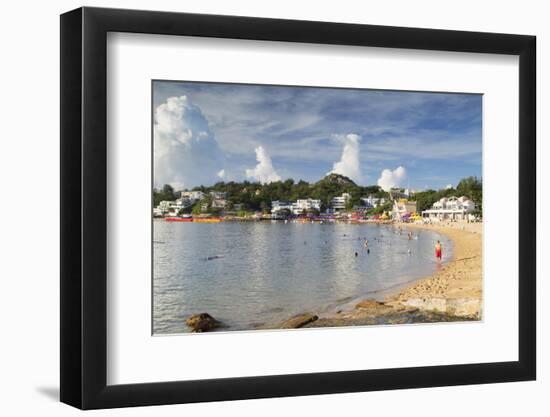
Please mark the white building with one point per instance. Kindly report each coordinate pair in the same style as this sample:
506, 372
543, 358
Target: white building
450, 208
219, 203
192, 195
306, 204
295, 208
372, 202
340, 203
170, 208
277, 208
218, 195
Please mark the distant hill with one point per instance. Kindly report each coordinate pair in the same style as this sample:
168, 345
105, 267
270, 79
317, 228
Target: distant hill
336, 179
256, 196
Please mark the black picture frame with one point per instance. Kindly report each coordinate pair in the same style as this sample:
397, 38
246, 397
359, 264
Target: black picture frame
84, 207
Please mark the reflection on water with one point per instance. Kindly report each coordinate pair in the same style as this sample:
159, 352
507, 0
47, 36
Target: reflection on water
246, 274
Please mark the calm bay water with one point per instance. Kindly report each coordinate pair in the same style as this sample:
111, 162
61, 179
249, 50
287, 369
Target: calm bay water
250, 274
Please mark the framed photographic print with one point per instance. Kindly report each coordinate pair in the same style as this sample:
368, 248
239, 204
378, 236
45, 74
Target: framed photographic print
257, 208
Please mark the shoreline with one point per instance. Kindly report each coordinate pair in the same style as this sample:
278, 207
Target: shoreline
451, 293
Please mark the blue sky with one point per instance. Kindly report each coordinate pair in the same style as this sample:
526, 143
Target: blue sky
204, 132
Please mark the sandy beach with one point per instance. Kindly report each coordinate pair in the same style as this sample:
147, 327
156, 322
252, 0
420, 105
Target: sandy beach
452, 293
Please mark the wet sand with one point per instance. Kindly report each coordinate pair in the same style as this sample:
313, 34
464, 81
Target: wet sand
452, 293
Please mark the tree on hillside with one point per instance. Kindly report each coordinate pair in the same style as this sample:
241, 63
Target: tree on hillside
382, 208
312, 212
425, 199
196, 209
472, 188
167, 193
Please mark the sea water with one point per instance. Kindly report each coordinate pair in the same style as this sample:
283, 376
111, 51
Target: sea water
252, 274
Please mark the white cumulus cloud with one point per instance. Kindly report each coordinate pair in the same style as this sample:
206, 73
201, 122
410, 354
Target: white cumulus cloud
349, 164
221, 173
186, 153
389, 178
264, 171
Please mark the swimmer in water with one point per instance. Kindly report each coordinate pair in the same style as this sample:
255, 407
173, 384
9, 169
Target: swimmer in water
438, 250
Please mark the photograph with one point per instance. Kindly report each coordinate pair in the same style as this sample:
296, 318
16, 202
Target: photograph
293, 207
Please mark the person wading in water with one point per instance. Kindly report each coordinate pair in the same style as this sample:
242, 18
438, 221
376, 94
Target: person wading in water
438, 250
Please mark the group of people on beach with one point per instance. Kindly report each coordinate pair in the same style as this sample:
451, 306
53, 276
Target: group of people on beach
438, 247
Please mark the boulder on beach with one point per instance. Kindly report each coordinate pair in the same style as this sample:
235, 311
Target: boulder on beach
298, 321
203, 322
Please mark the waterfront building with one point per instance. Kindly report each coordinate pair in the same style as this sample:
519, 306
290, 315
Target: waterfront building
450, 208
157, 212
192, 195
277, 206
373, 202
296, 208
169, 208
164, 206
218, 195
306, 204
280, 209
339, 203
219, 203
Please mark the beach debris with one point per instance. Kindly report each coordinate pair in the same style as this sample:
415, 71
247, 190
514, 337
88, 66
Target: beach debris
298, 321
203, 322
369, 304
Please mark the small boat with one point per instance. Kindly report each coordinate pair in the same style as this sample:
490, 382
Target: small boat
178, 219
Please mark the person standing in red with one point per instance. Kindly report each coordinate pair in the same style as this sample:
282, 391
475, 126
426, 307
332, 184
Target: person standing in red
438, 250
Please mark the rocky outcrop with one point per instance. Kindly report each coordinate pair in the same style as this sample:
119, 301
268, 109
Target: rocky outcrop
203, 322
298, 321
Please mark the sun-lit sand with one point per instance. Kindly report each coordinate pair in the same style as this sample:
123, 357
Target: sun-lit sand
457, 282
